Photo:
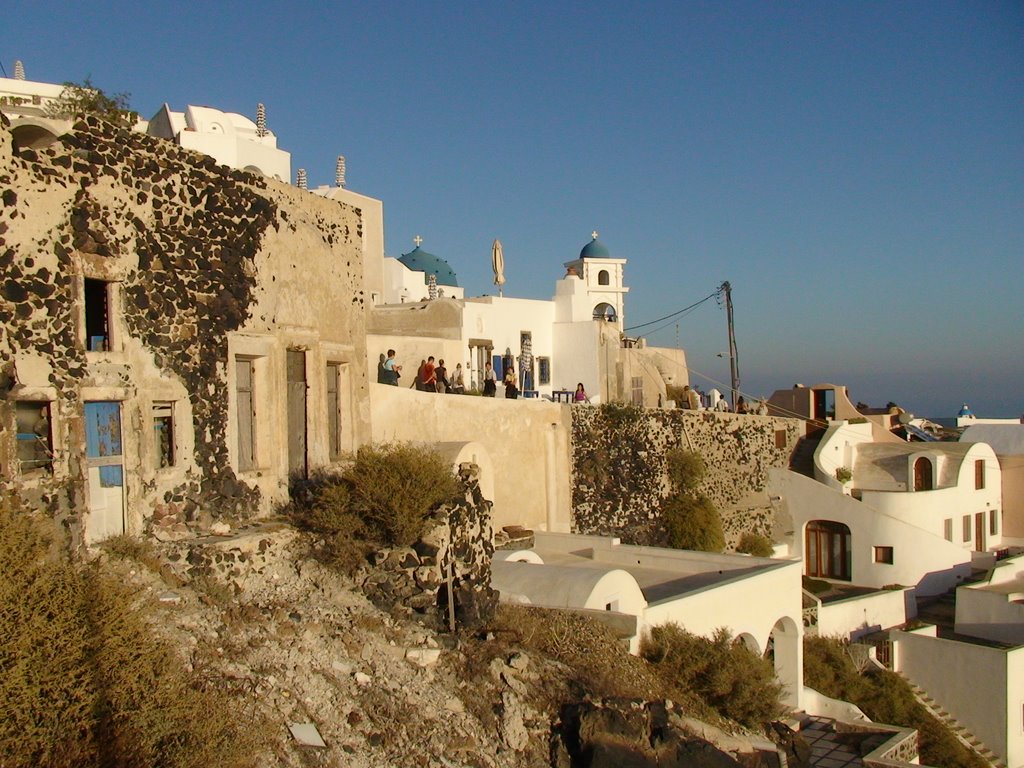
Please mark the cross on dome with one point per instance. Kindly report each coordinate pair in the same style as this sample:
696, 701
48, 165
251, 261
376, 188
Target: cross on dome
418, 240
594, 234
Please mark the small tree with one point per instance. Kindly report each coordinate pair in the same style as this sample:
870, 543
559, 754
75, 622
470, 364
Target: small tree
692, 522
685, 469
86, 99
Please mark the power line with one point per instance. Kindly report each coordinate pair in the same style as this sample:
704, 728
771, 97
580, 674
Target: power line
674, 314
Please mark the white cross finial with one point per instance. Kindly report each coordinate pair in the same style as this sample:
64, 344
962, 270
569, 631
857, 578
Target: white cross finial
417, 240
594, 234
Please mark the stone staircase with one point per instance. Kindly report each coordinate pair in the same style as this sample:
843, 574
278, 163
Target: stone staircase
963, 735
802, 460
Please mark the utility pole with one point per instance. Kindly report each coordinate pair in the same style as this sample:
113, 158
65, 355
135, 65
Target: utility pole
734, 364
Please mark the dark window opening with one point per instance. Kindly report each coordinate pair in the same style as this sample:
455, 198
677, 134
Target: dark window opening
544, 368
780, 439
35, 437
884, 555
979, 474
97, 315
333, 412
602, 277
163, 434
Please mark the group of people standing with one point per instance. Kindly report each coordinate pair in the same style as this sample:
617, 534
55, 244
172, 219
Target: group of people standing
430, 377
508, 381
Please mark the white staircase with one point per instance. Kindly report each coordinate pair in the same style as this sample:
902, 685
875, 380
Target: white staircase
963, 735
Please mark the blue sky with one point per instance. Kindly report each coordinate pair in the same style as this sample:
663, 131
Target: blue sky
855, 170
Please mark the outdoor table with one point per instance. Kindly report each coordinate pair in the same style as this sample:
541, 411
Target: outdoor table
562, 395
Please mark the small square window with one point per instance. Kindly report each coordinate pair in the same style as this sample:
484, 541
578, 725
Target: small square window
35, 437
883, 555
967, 527
163, 435
780, 439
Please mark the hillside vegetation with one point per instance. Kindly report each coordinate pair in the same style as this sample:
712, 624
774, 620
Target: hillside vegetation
84, 682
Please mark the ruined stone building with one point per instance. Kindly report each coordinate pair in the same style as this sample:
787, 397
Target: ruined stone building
176, 338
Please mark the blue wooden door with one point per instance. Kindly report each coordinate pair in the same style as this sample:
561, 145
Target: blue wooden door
105, 466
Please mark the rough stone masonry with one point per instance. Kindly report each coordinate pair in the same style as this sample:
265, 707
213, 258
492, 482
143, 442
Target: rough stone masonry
181, 257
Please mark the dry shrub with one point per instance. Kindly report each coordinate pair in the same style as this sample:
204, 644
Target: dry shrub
384, 498
729, 678
126, 547
83, 682
395, 487
755, 544
600, 661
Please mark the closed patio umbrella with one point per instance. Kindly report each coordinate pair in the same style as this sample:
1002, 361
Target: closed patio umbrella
498, 264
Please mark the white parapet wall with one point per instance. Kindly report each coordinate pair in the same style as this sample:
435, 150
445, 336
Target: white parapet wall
857, 616
982, 686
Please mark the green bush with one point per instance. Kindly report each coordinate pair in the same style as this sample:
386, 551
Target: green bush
755, 544
885, 698
384, 498
721, 671
83, 682
685, 469
692, 523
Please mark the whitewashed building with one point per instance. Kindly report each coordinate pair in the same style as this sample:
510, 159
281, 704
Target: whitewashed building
228, 137
887, 513
757, 599
977, 673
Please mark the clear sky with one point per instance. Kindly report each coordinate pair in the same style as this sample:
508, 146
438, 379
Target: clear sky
855, 170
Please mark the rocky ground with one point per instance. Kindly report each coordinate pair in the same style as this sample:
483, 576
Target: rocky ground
304, 647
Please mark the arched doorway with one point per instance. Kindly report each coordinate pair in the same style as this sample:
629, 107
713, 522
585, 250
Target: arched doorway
923, 475
605, 311
786, 652
827, 551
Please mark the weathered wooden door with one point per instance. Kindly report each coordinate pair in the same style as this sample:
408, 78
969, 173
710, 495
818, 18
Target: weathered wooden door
979, 531
105, 467
296, 364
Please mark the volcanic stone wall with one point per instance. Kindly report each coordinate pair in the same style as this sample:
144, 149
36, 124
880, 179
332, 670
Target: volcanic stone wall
198, 252
619, 471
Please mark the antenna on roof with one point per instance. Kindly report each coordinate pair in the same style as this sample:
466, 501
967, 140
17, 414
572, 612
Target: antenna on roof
300, 179
261, 120
19, 70
339, 172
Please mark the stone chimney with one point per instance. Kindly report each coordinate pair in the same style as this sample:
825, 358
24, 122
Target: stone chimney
300, 179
